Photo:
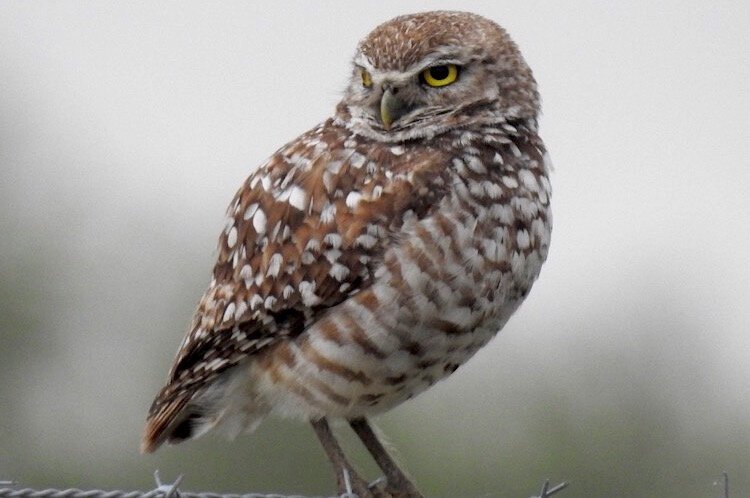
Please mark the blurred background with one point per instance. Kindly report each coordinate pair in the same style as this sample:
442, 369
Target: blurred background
126, 129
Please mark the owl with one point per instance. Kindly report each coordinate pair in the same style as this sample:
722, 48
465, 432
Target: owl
373, 255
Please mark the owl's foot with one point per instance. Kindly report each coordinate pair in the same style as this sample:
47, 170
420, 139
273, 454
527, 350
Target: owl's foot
395, 484
347, 479
354, 484
398, 485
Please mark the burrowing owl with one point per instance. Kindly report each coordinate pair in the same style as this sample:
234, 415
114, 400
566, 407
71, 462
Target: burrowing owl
373, 255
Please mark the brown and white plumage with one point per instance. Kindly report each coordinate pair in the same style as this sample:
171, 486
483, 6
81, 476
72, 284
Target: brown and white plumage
373, 255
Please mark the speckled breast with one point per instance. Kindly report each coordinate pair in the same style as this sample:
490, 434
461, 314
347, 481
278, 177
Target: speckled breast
443, 290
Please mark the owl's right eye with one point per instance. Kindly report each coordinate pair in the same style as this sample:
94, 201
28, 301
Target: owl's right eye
440, 75
366, 78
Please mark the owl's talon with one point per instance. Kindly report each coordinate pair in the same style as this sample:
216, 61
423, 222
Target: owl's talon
378, 483
351, 485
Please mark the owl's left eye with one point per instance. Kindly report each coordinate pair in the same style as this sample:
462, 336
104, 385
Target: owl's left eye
441, 75
366, 78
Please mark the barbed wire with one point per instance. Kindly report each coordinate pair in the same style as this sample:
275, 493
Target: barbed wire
99, 493
8, 489
169, 490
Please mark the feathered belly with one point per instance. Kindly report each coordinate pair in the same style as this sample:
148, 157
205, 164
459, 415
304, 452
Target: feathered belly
442, 294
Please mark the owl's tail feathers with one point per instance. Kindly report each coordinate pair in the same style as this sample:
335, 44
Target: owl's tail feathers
170, 420
180, 413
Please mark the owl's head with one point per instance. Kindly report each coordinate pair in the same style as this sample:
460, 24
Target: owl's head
420, 75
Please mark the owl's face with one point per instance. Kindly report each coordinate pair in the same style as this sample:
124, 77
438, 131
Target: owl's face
423, 74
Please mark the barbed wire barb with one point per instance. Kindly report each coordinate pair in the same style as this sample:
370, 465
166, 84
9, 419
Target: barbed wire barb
169, 490
348, 485
546, 491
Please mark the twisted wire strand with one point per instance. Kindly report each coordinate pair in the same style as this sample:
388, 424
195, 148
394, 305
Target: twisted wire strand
7, 492
172, 491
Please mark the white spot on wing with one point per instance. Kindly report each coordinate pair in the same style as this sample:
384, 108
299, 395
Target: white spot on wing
353, 199
357, 160
246, 272
255, 301
365, 240
338, 271
265, 182
298, 197
241, 309
229, 312
274, 265
250, 211
333, 239
232, 237
259, 221
307, 291
328, 214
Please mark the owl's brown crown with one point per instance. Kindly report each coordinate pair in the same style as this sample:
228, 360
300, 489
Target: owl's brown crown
406, 40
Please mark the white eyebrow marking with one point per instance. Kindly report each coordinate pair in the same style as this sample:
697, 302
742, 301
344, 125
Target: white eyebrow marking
445, 55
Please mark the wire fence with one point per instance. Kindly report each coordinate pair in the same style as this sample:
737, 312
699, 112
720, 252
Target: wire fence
9, 489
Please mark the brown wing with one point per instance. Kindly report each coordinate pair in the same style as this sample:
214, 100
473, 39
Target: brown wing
304, 232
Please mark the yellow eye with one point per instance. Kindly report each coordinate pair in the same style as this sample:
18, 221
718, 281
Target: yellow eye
441, 75
366, 78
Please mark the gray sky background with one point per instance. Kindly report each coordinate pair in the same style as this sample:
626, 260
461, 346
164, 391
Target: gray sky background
126, 128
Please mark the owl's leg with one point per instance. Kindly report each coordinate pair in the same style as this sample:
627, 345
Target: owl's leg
399, 486
340, 464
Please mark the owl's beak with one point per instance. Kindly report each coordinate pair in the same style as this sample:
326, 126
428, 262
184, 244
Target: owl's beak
391, 107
